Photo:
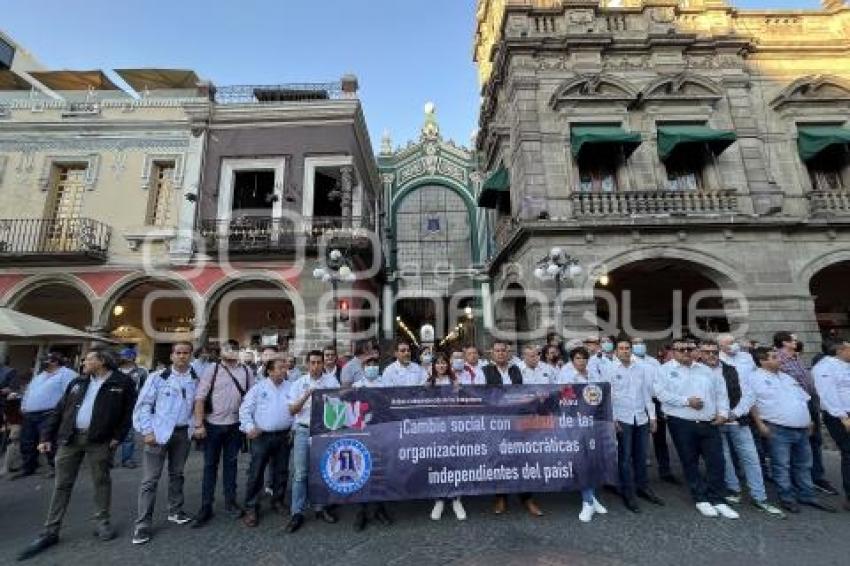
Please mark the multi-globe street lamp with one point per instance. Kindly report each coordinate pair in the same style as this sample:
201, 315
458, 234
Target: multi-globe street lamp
337, 269
557, 266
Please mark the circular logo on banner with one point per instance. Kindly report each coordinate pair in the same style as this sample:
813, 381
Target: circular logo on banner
346, 466
592, 395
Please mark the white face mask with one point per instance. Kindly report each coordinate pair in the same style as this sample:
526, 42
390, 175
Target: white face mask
734, 348
457, 365
427, 359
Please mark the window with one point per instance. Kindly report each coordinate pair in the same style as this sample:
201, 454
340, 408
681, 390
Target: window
7, 54
64, 207
684, 169
327, 191
161, 194
597, 169
828, 170
253, 193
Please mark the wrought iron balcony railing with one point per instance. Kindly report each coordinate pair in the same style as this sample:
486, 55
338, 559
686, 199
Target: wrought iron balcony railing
294, 92
33, 239
647, 203
835, 202
251, 234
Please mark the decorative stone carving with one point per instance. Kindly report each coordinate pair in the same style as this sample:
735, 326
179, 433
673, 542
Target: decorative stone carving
663, 15
593, 88
682, 87
813, 88
91, 161
178, 159
625, 62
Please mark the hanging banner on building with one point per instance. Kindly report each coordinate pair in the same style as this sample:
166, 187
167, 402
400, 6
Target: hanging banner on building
384, 444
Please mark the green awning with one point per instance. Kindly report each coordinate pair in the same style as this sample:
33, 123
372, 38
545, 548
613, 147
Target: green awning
811, 140
582, 136
495, 188
670, 137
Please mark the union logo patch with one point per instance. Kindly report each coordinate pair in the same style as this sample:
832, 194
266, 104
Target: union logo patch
346, 466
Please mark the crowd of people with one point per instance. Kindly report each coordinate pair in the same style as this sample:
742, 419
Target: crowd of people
733, 408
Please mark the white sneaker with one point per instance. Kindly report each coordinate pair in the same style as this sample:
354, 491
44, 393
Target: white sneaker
598, 508
586, 512
437, 511
707, 509
457, 507
726, 511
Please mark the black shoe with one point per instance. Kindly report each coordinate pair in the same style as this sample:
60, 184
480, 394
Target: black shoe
202, 518
360, 520
822, 506
383, 517
671, 479
234, 510
650, 496
631, 504
43, 542
825, 487
294, 523
326, 516
790, 506
142, 535
104, 532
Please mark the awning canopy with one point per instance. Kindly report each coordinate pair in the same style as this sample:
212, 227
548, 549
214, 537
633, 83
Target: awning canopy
74, 80
670, 137
496, 188
17, 326
811, 140
583, 136
12, 81
159, 79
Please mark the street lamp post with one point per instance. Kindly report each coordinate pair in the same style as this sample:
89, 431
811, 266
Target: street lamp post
337, 269
557, 266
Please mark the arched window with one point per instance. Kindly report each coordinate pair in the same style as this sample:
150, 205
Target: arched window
433, 231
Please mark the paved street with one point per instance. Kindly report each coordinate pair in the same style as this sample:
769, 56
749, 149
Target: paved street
675, 534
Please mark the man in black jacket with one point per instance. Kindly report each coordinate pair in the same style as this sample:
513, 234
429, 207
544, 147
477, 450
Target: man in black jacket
90, 421
498, 374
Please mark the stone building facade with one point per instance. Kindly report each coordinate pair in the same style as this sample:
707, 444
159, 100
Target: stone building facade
435, 235
669, 145
179, 210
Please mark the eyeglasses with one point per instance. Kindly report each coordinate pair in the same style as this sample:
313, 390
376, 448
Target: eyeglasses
684, 349
709, 352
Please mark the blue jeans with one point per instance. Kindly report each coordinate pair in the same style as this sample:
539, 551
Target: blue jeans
587, 496
740, 439
694, 440
632, 443
128, 448
791, 454
301, 462
222, 443
31, 428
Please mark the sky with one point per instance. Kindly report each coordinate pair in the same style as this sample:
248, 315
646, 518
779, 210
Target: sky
404, 52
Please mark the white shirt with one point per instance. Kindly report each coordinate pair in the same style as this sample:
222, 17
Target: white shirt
411, 375
442, 381
568, 374
743, 362
631, 391
677, 383
266, 407
654, 368
471, 375
46, 389
87, 406
372, 383
780, 399
506, 375
832, 382
748, 396
597, 365
300, 387
541, 374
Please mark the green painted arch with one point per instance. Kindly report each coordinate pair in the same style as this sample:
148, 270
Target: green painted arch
457, 188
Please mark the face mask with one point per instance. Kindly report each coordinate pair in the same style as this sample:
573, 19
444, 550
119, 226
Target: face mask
639, 350
427, 359
371, 372
457, 365
734, 348
293, 374
607, 347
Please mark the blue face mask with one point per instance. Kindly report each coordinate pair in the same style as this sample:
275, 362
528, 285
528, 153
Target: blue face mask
457, 365
427, 359
371, 372
607, 347
639, 350
734, 348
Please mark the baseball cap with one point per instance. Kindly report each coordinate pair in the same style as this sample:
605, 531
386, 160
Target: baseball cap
127, 354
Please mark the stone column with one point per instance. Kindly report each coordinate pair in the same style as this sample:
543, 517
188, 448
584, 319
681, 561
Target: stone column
346, 174
181, 248
767, 314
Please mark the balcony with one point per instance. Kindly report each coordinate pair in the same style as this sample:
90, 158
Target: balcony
35, 240
629, 204
829, 203
263, 235
293, 92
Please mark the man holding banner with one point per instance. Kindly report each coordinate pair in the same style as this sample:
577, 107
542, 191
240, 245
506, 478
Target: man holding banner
498, 374
300, 407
